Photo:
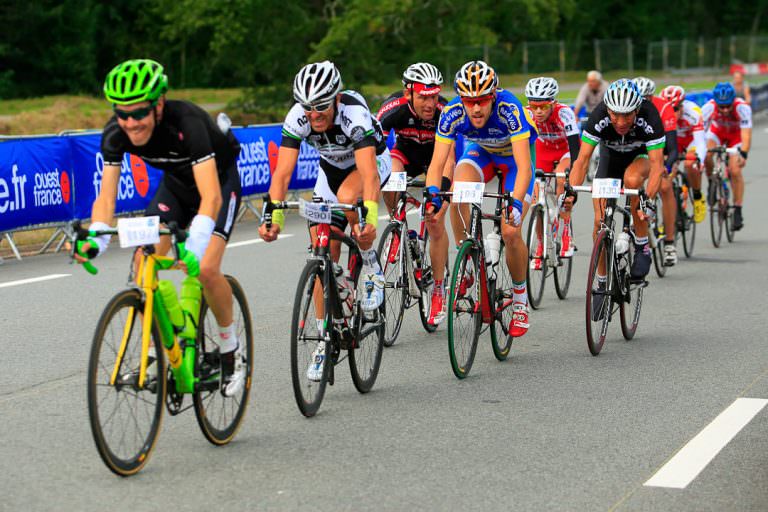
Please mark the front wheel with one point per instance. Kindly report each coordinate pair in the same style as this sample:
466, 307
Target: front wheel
716, 213
220, 416
631, 300
563, 270
501, 341
426, 280
599, 299
392, 252
686, 224
536, 269
125, 416
464, 310
365, 356
657, 253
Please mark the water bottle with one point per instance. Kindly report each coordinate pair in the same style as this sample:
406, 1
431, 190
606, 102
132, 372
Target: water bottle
492, 248
191, 294
171, 301
622, 243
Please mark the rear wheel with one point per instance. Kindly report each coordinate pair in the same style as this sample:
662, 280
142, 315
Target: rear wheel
426, 280
365, 354
392, 252
599, 300
657, 252
220, 416
686, 224
631, 300
501, 341
563, 269
716, 215
464, 313
536, 270
729, 212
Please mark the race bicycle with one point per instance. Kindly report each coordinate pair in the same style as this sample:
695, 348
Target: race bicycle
129, 383
406, 265
612, 258
719, 196
545, 241
327, 316
481, 290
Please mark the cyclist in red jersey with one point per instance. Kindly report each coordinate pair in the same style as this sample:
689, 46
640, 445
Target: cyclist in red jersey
558, 141
668, 204
728, 121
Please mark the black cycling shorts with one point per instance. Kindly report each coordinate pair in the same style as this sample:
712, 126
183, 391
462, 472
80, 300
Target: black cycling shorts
415, 161
613, 164
176, 202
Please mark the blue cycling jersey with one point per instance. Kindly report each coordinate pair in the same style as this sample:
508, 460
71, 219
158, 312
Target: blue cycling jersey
509, 122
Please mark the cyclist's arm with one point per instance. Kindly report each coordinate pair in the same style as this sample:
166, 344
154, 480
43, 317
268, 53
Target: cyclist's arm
450, 163
746, 139
671, 145
579, 167
365, 161
574, 146
207, 181
700, 143
656, 158
103, 209
287, 157
521, 150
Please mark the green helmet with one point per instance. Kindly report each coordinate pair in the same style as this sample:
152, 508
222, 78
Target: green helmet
134, 81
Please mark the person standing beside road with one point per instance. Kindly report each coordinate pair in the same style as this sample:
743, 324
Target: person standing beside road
591, 93
741, 87
200, 190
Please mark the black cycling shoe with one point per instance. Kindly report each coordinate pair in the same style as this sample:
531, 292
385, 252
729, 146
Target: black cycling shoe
641, 264
738, 220
598, 302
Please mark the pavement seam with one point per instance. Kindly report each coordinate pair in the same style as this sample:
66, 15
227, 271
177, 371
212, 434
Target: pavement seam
40, 387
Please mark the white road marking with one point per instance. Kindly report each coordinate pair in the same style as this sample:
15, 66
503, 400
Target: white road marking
694, 456
33, 280
255, 241
410, 212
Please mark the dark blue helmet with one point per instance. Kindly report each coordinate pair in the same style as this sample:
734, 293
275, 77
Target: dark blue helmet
724, 93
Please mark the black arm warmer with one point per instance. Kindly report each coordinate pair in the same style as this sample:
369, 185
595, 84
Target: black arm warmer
670, 148
574, 144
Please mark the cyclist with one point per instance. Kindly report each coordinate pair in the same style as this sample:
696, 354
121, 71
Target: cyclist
354, 162
497, 133
690, 141
728, 121
413, 113
558, 141
200, 188
668, 203
630, 134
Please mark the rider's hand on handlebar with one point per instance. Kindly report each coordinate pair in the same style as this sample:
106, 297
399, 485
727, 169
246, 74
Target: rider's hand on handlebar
366, 236
269, 235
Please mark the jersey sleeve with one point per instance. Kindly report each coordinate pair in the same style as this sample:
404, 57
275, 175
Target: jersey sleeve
196, 139
668, 118
449, 122
357, 124
653, 133
568, 120
706, 113
597, 120
112, 143
295, 128
388, 113
745, 115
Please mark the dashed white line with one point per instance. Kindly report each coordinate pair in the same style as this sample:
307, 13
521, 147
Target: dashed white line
255, 241
694, 456
33, 280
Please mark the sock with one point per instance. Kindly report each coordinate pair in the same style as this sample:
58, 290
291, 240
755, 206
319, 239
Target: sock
519, 293
320, 324
696, 194
370, 259
439, 286
227, 339
641, 240
602, 279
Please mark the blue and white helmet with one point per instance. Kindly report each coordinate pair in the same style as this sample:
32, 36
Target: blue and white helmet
623, 96
646, 85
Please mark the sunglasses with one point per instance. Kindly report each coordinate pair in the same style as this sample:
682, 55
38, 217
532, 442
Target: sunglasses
481, 101
138, 114
318, 107
540, 106
724, 107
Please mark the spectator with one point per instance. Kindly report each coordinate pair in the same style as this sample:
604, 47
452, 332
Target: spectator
591, 93
742, 87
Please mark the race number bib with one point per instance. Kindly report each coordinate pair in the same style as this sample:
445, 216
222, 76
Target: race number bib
468, 192
606, 188
396, 183
137, 231
315, 212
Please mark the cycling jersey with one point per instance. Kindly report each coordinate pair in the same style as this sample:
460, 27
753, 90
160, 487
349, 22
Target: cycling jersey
667, 113
186, 136
552, 142
690, 130
414, 137
726, 129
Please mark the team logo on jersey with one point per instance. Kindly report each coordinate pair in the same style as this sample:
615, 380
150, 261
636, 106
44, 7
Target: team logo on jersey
341, 139
357, 134
450, 117
140, 175
410, 121
511, 115
642, 123
495, 131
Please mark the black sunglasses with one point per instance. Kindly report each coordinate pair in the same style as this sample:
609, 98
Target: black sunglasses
138, 114
317, 107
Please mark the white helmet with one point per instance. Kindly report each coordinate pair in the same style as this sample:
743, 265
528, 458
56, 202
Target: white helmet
316, 83
623, 96
542, 88
422, 73
474, 79
646, 85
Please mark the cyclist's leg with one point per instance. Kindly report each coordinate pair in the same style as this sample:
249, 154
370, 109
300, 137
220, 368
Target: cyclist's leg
438, 244
669, 208
735, 171
475, 166
170, 206
634, 177
712, 142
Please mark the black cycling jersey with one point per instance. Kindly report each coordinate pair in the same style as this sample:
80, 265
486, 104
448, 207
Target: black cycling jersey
414, 137
185, 136
646, 134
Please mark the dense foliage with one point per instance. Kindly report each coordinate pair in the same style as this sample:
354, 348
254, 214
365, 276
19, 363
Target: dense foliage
67, 46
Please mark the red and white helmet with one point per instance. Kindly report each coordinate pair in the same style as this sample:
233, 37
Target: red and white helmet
673, 94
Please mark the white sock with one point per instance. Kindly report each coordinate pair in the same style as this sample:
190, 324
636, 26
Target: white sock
227, 339
641, 240
370, 259
320, 325
519, 293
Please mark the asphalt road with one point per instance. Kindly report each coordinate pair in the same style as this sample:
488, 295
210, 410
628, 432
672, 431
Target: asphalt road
553, 428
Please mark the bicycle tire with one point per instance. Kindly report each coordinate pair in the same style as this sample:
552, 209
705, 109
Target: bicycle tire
219, 417
503, 295
462, 343
125, 461
657, 253
687, 226
629, 311
396, 291
302, 322
715, 213
564, 268
598, 314
730, 233
365, 356
426, 285
536, 279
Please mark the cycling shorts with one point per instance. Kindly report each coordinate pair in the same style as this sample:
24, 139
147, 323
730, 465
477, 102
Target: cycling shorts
484, 163
721, 138
176, 202
613, 164
546, 156
415, 163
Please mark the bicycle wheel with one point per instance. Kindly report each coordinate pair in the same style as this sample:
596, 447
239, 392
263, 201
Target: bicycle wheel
219, 416
426, 284
729, 212
125, 419
365, 356
464, 314
599, 299
305, 336
686, 225
536, 270
501, 341
563, 270
657, 252
392, 250
631, 301
715, 212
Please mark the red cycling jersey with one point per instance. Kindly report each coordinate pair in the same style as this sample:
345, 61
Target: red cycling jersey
726, 129
667, 113
552, 144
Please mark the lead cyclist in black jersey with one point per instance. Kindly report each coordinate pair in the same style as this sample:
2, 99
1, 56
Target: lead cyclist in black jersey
354, 163
200, 190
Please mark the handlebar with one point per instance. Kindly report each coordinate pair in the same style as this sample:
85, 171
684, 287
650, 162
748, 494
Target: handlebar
722, 149
270, 206
623, 191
